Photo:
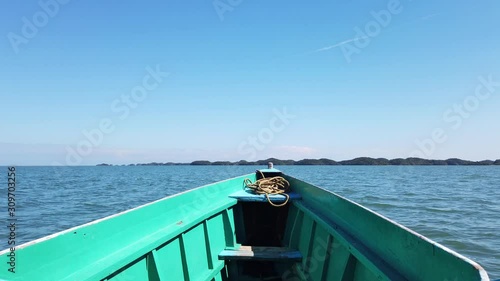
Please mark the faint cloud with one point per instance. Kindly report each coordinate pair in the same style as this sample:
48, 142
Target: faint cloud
302, 150
284, 152
122, 153
429, 16
364, 34
380, 20
253, 144
340, 44
292, 152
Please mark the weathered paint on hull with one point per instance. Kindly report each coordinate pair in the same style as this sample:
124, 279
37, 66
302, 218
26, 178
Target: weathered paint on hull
180, 238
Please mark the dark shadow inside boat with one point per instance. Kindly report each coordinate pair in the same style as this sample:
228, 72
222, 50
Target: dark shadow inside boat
260, 225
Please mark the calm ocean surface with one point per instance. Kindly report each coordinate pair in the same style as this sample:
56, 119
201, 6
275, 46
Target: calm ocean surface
457, 206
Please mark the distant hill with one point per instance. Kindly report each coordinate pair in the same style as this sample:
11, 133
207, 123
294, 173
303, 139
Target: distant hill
365, 161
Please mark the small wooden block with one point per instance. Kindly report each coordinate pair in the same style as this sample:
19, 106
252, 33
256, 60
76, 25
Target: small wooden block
261, 254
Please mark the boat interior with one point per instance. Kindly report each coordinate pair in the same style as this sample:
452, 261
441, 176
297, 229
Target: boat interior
316, 235
224, 232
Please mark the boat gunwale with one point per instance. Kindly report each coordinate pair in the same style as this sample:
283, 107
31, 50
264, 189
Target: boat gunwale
54, 235
482, 272
362, 252
123, 262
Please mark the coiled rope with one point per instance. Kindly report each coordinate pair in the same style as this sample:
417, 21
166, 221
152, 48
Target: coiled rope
267, 186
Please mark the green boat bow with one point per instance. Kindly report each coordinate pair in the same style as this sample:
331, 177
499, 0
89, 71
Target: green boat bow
223, 231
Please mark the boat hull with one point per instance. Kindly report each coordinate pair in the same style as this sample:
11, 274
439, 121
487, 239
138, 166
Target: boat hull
198, 235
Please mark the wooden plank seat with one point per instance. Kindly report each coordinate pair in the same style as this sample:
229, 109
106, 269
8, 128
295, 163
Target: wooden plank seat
261, 254
249, 196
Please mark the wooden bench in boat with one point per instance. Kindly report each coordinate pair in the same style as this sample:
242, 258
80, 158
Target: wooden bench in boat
249, 196
261, 254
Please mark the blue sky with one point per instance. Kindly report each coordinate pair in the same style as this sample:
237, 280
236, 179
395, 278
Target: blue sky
247, 80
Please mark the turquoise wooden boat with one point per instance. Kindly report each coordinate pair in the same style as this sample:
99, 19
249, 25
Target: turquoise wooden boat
224, 232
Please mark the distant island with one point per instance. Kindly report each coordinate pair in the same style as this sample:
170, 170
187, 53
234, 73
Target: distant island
324, 161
